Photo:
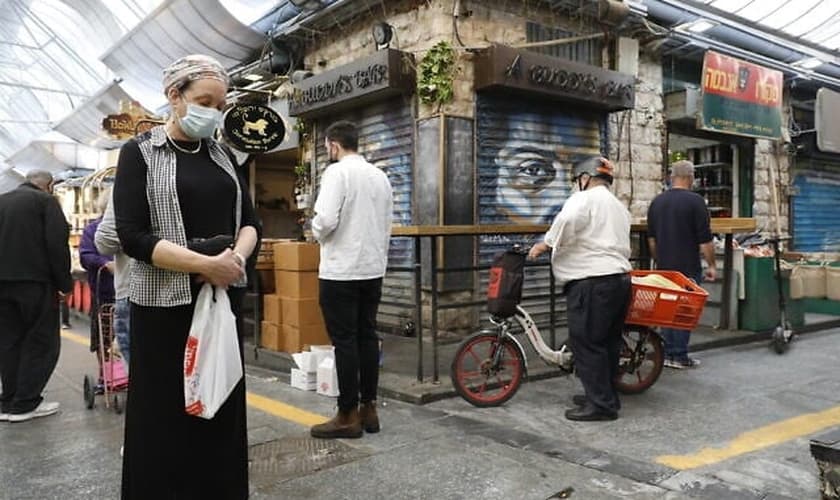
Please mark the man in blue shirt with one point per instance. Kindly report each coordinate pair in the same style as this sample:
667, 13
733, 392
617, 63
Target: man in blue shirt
678, 232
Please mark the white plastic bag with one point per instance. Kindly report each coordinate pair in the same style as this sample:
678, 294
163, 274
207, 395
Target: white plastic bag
212, 366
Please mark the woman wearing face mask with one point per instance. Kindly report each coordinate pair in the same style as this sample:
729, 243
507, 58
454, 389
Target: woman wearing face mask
185, 216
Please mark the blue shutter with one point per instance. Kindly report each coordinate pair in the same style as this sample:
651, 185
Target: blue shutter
816, 227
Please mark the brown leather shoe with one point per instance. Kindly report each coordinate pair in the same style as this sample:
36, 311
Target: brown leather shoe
345, 424
370, 420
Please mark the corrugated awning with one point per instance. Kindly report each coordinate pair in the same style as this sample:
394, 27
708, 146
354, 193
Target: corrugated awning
55, 153
84, 124
175, 29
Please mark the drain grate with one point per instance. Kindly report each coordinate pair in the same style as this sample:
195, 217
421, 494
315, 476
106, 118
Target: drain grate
289, 458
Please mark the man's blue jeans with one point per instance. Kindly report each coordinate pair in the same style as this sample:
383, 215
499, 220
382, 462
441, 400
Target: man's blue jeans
122, 311
676, 341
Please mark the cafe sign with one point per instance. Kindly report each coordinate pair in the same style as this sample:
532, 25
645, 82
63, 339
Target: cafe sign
130, 121
740, 98
383, 74
253, 128
506, 68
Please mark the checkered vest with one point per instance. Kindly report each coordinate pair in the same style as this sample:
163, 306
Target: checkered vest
150, 285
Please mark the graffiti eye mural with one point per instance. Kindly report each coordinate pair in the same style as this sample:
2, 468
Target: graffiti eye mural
533, 169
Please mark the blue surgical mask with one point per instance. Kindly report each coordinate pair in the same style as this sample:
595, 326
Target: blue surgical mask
200, 122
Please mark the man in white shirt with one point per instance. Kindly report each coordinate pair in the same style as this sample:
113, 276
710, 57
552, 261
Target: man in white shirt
353, 225
590, 244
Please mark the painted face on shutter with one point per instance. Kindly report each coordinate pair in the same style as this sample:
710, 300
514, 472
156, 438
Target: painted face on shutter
531, 182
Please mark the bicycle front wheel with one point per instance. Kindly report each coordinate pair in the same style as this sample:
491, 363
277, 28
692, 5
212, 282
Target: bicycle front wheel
487, 371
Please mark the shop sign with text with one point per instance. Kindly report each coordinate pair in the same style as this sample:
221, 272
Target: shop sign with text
253, 128
507, 68
740, 98
383, 74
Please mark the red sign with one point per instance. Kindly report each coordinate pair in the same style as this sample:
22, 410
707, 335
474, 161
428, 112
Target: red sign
740, 98
736, 79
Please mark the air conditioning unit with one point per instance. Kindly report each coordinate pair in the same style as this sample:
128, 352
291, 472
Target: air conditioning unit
683, 105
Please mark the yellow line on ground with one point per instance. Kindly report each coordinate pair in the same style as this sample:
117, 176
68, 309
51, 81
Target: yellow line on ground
262, 403
74, 337
284, 411
757, 439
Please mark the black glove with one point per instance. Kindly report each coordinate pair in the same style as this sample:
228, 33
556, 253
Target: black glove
211, 246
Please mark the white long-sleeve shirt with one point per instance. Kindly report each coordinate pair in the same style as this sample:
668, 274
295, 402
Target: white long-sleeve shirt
590, 237
353, 220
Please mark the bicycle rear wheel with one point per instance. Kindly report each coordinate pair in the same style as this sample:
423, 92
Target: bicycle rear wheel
640, 361
486, 371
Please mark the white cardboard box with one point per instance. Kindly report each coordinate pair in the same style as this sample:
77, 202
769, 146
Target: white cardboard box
302, 380
327, 378
306, 362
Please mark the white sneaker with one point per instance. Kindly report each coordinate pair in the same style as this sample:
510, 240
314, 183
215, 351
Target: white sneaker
4, 417
44, 409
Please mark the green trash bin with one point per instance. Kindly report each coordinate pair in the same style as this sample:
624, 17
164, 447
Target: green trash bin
759, 311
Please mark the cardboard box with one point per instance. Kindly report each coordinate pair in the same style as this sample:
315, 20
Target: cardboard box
266, 277
302, 380
294, 338
306, 361
270, 336
272, 310
296, 284
327, 378
296, 256
301, 312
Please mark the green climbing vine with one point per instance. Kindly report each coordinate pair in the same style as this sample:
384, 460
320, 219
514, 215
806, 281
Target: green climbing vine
437, 71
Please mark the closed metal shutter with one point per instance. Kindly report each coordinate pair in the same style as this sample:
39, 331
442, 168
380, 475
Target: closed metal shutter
386, 139
816, 227
525, 152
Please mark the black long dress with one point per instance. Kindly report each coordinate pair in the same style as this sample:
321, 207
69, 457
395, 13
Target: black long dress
169, 454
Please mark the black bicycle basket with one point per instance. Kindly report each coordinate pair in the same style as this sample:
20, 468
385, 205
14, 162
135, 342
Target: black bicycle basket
504, 289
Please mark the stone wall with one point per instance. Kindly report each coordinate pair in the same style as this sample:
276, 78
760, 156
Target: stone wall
769, 155
638, 151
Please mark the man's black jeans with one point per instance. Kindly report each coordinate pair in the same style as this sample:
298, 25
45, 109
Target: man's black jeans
595, 311
349, 309
29, 343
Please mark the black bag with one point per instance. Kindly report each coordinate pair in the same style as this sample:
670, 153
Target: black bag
504, 290
211, 246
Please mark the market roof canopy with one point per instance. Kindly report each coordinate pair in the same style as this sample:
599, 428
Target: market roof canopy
49, 63
815, 21
84, 124
55, 153
178, 28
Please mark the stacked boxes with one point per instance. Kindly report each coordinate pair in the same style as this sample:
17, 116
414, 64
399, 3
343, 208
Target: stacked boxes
272, 318
296, 285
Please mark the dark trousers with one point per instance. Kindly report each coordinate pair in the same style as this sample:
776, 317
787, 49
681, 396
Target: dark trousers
29, 343
349, 309
595, 310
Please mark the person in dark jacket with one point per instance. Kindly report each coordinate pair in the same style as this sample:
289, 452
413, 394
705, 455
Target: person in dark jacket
99, 268
34, 271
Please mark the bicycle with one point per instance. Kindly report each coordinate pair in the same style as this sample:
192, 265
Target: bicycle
490, 365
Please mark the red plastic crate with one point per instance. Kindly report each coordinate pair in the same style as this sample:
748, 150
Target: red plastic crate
656, 306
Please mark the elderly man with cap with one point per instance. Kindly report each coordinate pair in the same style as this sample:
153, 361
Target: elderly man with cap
185, 217
679, 230
590, 251
34, 267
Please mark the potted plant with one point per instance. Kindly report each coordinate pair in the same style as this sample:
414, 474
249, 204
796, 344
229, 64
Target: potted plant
302, 186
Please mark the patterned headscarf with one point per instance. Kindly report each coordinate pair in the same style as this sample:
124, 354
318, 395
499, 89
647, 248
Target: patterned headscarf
193, 67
